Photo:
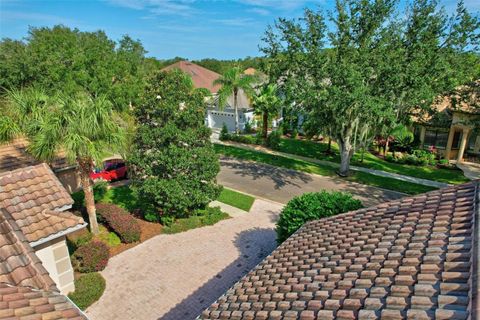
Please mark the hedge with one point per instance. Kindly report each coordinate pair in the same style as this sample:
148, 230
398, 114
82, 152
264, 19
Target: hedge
120, 221
312, 206
91, 257
88, 289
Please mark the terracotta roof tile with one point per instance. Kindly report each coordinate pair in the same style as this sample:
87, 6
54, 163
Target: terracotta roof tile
407, 259
26, 289
14, 155
202, 77
32, 195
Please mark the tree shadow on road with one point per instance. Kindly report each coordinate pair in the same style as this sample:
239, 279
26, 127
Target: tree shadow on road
280, 176
368, 195
254, 245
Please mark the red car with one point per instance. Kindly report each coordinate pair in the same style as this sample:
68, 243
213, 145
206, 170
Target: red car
112, 170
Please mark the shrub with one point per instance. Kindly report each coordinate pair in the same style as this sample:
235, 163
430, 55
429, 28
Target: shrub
444, 162
273, 140
75, 242
248, 127
390, 158
100, 188
91, 257
224, 135
294, 134
312, 206
88, 289
120, 221
203, 217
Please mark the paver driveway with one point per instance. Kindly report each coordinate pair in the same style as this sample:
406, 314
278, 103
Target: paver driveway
178, 276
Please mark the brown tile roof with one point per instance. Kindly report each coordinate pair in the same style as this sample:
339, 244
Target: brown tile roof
25, 303
464, 99
32, 195
19, 266
13, 156
202, 77
415, 258
26, 289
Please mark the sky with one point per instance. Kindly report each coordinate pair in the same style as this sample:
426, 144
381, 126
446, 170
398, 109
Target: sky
192, 29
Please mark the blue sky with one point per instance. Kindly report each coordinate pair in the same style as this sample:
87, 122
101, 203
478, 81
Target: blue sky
193, 29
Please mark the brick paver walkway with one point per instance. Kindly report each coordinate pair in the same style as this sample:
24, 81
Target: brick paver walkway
178, 276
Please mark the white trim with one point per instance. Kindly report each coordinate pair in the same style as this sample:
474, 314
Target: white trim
58, 234
63, 208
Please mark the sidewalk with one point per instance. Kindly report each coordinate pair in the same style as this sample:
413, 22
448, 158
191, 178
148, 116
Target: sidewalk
380, 173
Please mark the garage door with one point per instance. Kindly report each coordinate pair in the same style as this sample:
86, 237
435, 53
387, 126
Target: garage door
217, 119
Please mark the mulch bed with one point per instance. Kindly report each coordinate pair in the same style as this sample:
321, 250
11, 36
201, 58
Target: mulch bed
148, 230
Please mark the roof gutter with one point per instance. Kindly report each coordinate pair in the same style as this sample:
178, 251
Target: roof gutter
58, 234
475, 274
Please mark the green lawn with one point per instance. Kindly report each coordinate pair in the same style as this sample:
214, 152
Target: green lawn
320, 169
236, 199
317, 150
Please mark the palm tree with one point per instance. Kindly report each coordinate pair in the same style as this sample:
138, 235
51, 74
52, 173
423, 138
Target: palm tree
84, 128
232, 81
266, 102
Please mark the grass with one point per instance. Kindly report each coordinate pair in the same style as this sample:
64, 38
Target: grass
207, 217
111, 239
317, 150
236, 199
89, 288
321, 169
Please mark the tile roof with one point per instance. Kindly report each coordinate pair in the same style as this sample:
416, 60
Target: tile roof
13, 156
19, 265
26, 289
414, 258
202, 77
33, 196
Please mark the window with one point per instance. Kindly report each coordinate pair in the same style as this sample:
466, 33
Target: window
436, 137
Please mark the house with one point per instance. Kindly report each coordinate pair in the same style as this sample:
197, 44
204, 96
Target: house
451, 128
26, 289
37, 202
14, 155
216, 116
412, 258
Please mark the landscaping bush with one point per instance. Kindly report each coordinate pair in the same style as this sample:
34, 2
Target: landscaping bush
203, 217
312, 206
248, 127
91, 257
100, 188
88, 289
273, 140
390, 158
120, 221
224, 135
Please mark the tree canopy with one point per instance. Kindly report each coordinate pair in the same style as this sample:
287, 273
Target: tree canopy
173, 165
61, 59
365, 70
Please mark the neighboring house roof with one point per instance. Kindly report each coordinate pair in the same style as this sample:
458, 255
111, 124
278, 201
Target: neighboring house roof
14, 155
26, 289
34, 197
464, 99
413, 258
201, 77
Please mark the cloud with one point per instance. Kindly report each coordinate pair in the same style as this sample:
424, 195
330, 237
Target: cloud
36, 17
260, 11
159, 7
235, 22
279, 4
